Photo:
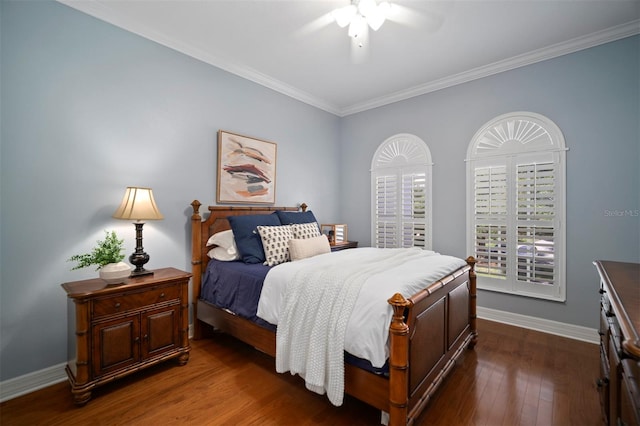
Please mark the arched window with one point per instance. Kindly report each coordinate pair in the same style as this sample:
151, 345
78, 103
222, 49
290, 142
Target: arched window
401, 193
516, 205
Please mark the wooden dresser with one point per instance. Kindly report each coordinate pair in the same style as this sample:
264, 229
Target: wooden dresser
619, 382
116, 330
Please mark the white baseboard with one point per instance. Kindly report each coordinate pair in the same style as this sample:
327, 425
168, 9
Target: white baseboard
31, 382
22, 385
576, 332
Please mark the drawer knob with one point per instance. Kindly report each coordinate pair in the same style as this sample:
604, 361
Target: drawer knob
162, 295
117, 305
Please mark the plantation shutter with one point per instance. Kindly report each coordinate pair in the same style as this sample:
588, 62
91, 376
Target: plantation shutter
386, 205
490, 207
536, 206
413, 219
516, 206
401, 192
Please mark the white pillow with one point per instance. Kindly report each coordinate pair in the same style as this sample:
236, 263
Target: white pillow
223, 239
308, 247
220, 253
305, 230
275, 242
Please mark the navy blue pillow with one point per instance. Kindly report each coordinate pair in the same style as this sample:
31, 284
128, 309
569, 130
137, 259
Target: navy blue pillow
246, 235
287, 218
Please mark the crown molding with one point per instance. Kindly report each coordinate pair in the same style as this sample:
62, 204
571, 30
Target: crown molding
99, 11
574, 45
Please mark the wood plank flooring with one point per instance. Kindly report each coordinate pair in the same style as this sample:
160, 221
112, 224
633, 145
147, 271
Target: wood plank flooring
513, 377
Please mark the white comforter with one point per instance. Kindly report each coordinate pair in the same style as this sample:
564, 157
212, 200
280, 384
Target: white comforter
358, 322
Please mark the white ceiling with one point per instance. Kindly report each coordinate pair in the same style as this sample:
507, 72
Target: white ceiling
294, 47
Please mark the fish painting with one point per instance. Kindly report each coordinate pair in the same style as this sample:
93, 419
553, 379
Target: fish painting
246, 169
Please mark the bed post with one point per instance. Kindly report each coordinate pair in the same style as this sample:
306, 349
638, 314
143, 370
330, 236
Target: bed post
471, 261
398, 362
196, 265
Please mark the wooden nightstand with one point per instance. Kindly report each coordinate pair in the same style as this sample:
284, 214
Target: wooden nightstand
116, 330
343, 246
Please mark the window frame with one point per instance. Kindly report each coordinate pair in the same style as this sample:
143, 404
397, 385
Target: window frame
402, 155
513, 140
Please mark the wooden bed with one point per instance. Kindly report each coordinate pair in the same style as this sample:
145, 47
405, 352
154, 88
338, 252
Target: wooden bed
428, 333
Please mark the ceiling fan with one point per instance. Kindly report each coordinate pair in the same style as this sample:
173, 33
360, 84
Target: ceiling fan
361, 16
358, 17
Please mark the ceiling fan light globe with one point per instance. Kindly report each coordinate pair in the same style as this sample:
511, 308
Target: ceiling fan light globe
375, 20
344, 15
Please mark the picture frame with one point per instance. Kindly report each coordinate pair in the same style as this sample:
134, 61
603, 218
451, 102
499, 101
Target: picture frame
246, 169
336, 233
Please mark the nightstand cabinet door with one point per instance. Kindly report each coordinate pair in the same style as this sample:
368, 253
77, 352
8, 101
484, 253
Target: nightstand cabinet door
160, 331
116, 344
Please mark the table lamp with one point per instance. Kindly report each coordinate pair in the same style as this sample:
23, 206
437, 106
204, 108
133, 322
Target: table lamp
138, 205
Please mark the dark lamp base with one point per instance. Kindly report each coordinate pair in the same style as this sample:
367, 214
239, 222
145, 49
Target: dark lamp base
136, 273
139, 258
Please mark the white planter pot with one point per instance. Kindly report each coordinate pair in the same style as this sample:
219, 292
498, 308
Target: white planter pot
115, 273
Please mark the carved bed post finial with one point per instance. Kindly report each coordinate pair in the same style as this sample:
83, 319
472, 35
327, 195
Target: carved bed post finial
196, 207
398, 362
303, 207
471, 261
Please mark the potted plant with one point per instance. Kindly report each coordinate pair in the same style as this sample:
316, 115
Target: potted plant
107, 256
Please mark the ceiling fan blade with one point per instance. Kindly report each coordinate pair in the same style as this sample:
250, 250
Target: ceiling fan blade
431, 19
317, 24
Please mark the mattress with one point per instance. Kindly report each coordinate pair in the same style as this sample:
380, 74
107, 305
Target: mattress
236, 287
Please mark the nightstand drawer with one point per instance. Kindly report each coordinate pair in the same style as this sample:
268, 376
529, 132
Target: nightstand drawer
131, 301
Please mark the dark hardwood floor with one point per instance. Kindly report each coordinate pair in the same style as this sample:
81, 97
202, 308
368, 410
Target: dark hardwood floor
513, 377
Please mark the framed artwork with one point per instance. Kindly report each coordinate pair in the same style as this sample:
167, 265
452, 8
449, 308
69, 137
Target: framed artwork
246, 169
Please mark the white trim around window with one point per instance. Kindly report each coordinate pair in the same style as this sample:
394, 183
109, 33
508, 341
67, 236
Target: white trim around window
516, 212
401, 202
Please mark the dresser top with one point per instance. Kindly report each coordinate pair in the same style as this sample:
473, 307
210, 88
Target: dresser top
97, 286
622, 283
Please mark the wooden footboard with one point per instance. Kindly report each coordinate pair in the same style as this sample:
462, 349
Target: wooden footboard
428, 333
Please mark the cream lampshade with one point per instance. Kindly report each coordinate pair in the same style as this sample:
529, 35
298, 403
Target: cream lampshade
138, 205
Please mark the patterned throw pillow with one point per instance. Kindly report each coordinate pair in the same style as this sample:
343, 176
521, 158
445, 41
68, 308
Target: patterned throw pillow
302, 231
275, 241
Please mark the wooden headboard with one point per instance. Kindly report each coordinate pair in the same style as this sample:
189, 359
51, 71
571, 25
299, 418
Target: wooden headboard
217, 221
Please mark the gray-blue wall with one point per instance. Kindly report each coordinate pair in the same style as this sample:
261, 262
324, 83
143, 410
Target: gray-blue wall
87, 109
592, 95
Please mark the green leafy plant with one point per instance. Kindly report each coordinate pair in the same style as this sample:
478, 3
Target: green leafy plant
107, 251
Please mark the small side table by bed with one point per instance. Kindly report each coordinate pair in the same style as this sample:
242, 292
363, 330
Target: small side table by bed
344, 245
116, 330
